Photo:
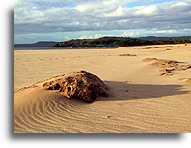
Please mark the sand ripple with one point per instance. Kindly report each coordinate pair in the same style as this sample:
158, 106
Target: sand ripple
42, 111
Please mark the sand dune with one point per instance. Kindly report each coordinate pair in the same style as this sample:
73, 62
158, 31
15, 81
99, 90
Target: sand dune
141, 100
168, 67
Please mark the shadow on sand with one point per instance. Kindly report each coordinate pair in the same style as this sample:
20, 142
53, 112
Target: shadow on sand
126, 91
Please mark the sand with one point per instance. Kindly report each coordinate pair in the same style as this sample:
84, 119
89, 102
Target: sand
141, 99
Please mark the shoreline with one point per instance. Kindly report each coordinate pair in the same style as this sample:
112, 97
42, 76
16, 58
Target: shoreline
65, 48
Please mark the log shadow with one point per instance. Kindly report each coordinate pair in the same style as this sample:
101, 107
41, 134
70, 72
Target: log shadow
128, 91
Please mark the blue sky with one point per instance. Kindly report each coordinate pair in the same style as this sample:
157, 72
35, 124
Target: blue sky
59, 20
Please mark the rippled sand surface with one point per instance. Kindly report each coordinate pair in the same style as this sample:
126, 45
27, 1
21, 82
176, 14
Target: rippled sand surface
141, 100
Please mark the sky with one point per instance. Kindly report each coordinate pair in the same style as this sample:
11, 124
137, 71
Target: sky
61, 20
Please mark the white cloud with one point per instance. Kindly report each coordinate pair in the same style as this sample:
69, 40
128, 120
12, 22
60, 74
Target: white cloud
171, 31
85, 8
130, 34
120, 11
147, 10
99, 7
179, 4
91, 36
34, 16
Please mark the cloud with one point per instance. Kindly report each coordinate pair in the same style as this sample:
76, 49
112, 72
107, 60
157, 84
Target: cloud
94, 36
179, 4
147, 10
53, 16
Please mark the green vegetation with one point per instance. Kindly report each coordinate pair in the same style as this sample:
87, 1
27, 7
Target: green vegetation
106, 42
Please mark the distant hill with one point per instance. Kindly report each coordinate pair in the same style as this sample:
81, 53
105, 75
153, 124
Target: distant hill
154, 38
106, 42
38, 44
123, 42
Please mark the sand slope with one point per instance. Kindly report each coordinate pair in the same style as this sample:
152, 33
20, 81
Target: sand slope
141, 100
